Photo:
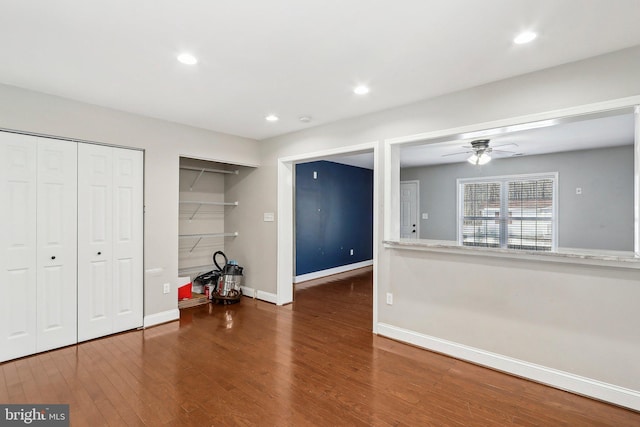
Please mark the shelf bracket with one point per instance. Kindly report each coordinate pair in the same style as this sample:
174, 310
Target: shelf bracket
194, 246
195, 181
195, 212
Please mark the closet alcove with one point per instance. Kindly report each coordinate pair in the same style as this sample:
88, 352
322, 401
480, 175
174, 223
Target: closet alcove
204, 208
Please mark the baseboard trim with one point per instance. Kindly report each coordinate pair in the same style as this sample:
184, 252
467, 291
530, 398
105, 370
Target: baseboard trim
162, 317
331, 271
258, 294
555, 378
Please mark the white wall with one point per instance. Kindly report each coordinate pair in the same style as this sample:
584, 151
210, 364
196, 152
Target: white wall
163, 142
572, 318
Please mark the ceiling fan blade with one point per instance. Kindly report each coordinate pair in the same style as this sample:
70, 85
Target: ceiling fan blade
456, 154
504, 151
506, 145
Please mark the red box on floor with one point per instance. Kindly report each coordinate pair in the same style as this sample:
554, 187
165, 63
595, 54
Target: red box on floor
184, 292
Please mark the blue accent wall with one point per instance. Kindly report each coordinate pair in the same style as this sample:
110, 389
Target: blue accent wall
334, 214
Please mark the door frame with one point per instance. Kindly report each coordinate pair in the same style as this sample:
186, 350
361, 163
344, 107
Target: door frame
285, 220
417, 182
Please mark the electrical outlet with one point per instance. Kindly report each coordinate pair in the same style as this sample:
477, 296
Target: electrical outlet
167, 288
351, 252
389, 298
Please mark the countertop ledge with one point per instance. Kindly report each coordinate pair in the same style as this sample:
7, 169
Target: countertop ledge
607, 259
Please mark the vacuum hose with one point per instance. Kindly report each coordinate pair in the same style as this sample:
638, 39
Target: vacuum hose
216, 263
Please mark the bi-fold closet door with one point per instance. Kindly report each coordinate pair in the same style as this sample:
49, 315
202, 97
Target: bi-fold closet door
71, 242
110, 294
38, 261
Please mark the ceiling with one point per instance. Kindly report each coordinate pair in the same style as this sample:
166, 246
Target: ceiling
551, 137
291, 57
602, 130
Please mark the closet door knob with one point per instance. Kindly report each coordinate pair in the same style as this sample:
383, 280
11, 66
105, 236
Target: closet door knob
53, 257
99, 253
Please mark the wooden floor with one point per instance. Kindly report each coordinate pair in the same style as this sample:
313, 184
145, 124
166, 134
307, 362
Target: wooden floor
314, 362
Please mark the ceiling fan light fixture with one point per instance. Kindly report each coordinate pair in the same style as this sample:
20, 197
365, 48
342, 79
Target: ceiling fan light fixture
479, 159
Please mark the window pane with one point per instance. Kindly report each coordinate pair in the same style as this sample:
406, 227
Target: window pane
481, 233
530, 234
481, 199
530, 224
481, 211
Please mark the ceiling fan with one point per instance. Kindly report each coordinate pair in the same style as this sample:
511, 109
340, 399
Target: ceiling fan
480, 150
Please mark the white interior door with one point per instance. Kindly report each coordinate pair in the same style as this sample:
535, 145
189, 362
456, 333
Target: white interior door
95, 246
17, 245
127, 239
409, 209
57, 254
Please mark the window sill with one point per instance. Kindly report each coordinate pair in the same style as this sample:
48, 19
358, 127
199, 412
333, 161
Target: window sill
566, 255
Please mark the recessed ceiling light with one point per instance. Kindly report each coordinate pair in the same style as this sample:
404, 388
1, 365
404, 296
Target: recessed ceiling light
361, 90
525, 37
187, 59
271, 118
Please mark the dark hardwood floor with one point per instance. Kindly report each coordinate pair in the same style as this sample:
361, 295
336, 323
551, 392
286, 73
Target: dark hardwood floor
314, 362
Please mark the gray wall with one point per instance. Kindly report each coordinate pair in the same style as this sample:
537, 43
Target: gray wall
600, 218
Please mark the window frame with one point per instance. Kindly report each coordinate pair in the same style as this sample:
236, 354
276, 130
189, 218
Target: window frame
503, 180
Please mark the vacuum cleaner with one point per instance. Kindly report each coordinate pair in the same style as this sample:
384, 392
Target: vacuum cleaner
227, 289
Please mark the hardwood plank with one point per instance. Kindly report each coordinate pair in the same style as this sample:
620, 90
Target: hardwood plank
312, 363
13, 383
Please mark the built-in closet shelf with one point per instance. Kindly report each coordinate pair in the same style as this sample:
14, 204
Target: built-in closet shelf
195, 269
201, 204
203, 170
205, 236
184, 202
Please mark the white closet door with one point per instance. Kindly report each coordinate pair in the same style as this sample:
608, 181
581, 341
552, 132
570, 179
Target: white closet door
127, 239
95, 246
110, 240
57, 256
17, 245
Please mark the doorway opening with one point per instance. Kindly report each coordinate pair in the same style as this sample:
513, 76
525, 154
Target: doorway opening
333, 229
286, 217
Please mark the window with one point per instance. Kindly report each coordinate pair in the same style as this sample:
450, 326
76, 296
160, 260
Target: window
514, 212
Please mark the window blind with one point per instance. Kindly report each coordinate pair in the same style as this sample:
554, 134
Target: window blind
481, 226
509, 212
530, 213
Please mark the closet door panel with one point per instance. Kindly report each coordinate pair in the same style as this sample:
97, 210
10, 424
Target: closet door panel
95, 187
57, 238
17, 245
127, 235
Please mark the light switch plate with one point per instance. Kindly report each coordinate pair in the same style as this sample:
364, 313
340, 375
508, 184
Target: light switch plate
269, 217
